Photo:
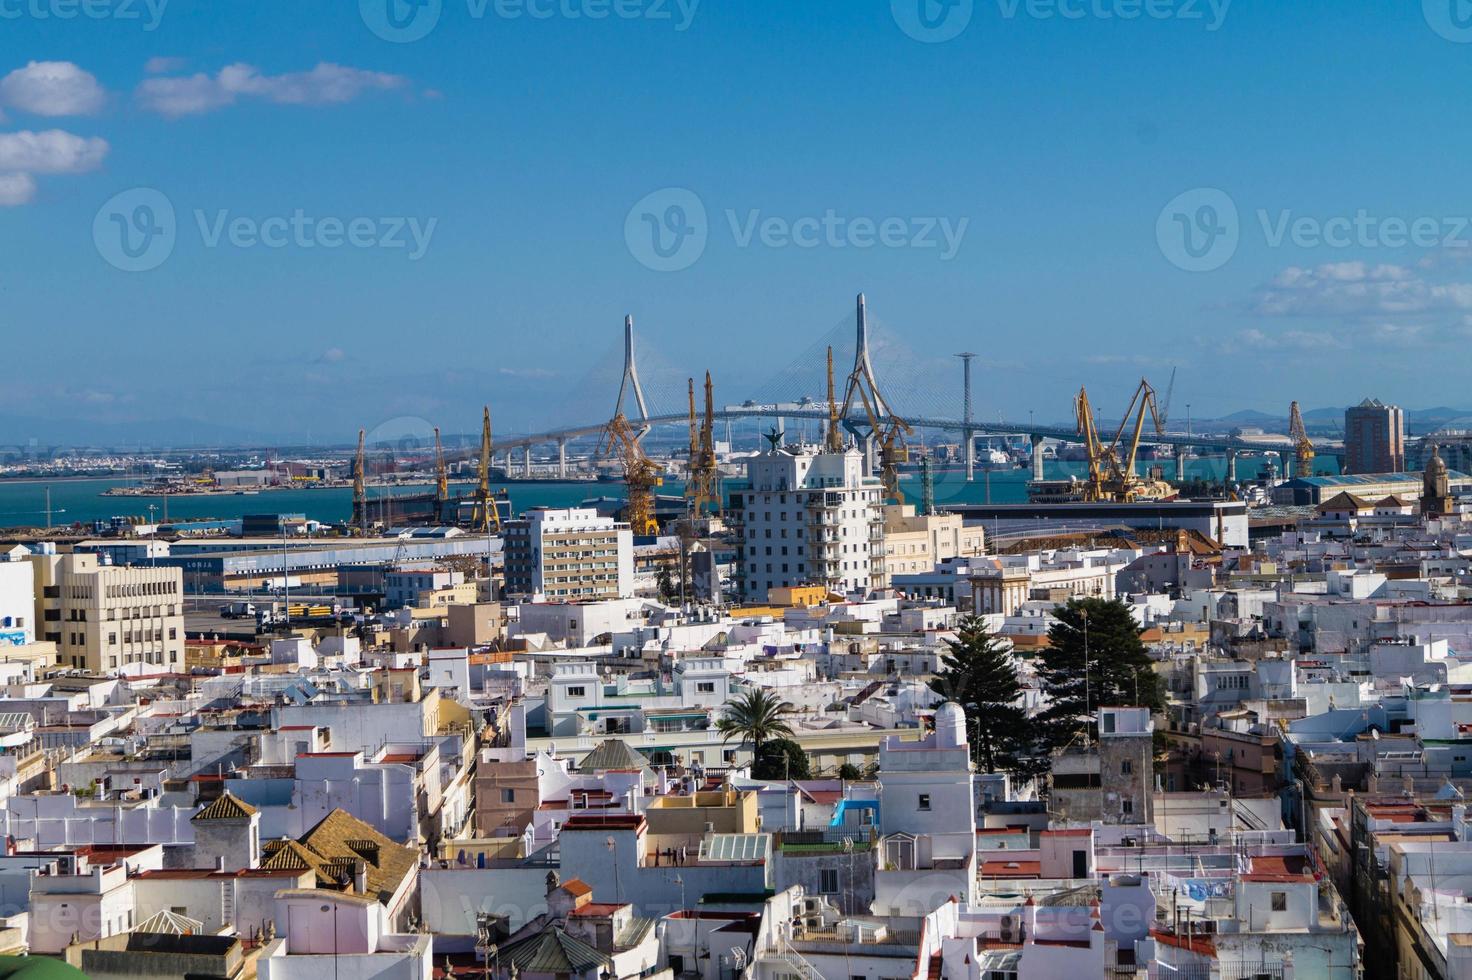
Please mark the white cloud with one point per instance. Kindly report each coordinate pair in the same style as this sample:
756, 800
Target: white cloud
1288, 340
50, 152
52, 88
183, 96
16, 189
326, 84
160, 65
1358, 289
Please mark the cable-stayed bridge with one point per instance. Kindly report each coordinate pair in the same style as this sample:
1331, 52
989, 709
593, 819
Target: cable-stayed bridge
912, 391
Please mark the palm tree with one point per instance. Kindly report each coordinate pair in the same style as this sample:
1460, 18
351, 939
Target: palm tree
755, 717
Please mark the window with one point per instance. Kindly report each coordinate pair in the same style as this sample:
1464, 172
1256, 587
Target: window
1280, 901
828, 883
706, 687
1127, 805
925, 801
577, 692
508, 796
1126, 767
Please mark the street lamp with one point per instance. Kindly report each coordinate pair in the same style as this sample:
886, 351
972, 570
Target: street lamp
1084, 615
612, 846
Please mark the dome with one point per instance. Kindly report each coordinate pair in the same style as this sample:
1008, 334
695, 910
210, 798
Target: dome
1435, 464
950, 725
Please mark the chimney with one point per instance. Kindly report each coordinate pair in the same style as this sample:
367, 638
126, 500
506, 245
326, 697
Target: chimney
360, 876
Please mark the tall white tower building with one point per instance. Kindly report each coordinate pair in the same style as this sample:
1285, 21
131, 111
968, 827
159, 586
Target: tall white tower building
810, 518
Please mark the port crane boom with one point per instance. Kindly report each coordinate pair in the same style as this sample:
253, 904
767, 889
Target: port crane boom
1112, 475
1303, 448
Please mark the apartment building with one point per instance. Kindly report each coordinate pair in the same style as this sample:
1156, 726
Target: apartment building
572, 554
917, 543
810, 518
1374, 438
109, 618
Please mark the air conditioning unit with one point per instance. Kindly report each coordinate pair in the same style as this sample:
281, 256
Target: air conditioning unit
1011, 929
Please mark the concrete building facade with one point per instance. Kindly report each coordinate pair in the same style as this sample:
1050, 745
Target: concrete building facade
573, 554
810, 518
110, 619
1374, 438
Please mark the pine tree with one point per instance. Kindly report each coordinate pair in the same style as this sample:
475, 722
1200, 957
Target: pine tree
1118, 671
978, 674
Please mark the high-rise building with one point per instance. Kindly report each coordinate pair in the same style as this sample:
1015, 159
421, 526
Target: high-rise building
1374, 438
114, 619
810, 518
569, 555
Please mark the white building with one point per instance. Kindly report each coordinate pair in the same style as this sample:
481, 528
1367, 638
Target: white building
927, 851
573, 554
810, 518
17, 603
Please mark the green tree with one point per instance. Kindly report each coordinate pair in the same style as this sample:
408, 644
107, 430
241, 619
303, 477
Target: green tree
1116, 670
850, 772
781, 758
978, 673
756, 718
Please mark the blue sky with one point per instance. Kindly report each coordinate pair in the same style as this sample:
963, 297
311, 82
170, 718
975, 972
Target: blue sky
531, 153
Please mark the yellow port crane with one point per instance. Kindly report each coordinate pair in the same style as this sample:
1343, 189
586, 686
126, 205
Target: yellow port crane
360, 486
621, 440
1303, 448
702, 490
1112, 477
486, 517
441, 479
834, 437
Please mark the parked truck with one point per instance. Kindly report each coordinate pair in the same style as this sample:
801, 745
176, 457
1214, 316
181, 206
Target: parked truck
237, 610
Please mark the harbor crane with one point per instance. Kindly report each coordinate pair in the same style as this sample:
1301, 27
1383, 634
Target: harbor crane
360, 485
487, 516
621, 441
1303, 448
1112, 477
441, 480
702, 490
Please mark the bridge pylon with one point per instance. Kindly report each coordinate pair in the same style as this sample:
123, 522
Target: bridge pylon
863, 389
630, 383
